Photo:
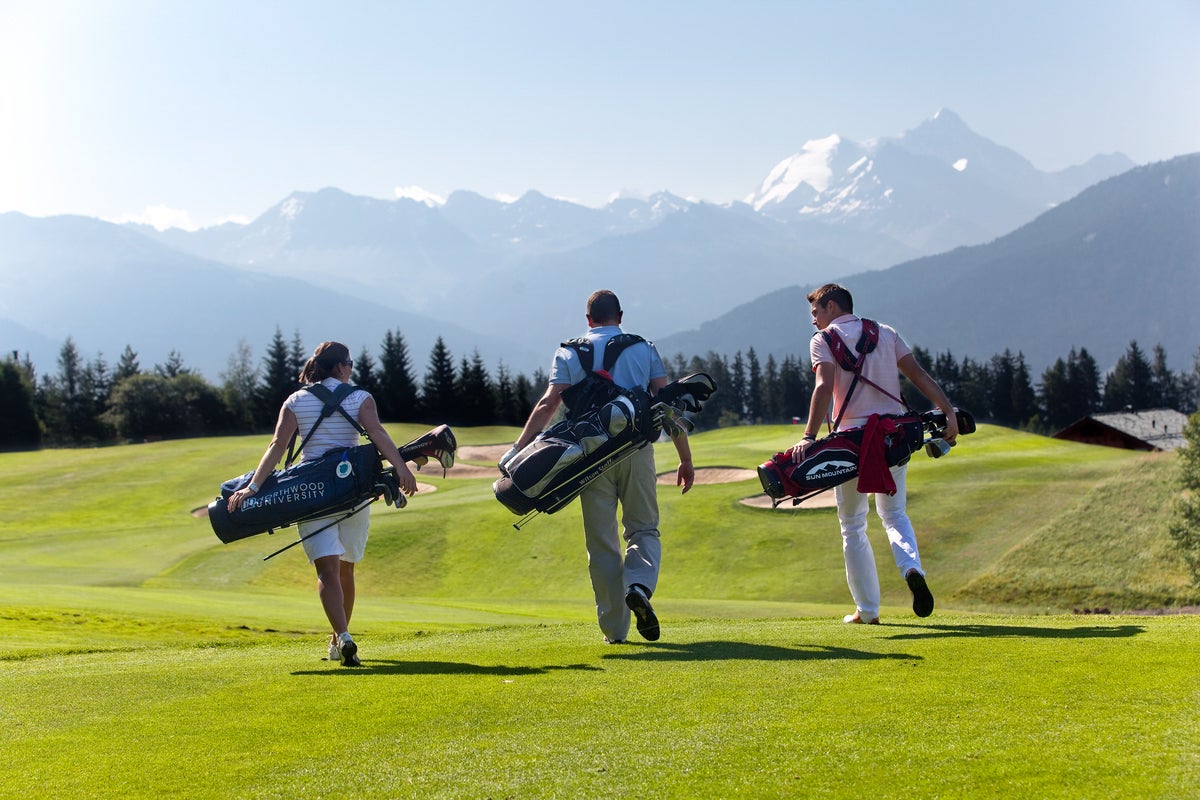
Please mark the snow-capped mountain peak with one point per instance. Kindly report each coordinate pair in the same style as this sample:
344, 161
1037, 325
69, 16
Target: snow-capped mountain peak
938, 185
811, 167
420, 195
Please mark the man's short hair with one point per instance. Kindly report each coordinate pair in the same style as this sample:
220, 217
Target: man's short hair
835, 292
603, 306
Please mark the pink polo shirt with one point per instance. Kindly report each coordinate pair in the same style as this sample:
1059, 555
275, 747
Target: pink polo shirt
880, 368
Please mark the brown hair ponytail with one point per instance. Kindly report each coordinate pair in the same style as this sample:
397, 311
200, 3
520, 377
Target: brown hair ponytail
324, 361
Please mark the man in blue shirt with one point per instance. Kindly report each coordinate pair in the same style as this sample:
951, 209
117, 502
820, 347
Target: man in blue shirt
623, 578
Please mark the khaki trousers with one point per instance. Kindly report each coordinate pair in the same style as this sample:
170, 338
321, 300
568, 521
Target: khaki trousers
613, 566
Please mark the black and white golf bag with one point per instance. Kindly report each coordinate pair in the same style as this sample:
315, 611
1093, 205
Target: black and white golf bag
556, 466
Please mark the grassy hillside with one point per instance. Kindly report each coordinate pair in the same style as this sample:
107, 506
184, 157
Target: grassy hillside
1008, 521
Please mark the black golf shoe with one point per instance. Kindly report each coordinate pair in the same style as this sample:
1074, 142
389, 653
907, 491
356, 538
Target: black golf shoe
639, 603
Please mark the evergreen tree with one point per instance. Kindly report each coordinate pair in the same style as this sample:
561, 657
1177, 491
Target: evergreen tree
1129, 386
1083, 379
538, 384
718, 410
127, 366
476, 396
736, 401
438, 403
946, 372
770, 390
1000, 400
754, 396
21, 429
59, 401
975, 388
795, 390
365, 376
296, 356
1165, 386
678, 368
239, 389
278, 380
397, 398
95, 384
908, 392
525, 394
173, 367
1024, 399
1191, 387
1054, 401
506, 398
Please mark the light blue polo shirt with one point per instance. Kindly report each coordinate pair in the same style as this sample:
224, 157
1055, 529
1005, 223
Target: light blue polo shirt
635, 368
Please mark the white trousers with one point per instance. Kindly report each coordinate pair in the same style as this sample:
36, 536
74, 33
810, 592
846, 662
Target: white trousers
611, 565
860, 559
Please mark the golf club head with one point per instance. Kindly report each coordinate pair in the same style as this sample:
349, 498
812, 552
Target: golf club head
935, 421
936, 447
689, 392
438, 444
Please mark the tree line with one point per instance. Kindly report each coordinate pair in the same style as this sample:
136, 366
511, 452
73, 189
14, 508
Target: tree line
90, 403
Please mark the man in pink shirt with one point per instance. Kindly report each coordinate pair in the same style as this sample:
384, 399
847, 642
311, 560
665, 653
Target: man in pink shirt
876, 392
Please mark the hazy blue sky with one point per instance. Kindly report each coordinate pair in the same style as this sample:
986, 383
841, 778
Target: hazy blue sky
195, 112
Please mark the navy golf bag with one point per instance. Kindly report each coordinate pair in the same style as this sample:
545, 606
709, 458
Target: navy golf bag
556, 466
338, 482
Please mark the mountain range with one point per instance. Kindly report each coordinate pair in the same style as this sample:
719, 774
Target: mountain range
1120, 262
510, 278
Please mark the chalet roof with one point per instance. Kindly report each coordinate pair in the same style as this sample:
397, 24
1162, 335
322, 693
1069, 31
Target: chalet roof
1159, 428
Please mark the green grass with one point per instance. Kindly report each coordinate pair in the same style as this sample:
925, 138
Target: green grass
141, 657
961, 707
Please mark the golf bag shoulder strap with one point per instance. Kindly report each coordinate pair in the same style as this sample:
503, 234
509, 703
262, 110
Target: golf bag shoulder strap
616, 345
583, 348
866, 344
332, 400
597, 387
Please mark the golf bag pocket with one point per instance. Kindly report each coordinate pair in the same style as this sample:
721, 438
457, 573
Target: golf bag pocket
336, 482
534, 469
565, 457
834, 459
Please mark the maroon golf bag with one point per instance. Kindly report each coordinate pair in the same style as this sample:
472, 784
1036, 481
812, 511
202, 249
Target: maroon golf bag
835, 459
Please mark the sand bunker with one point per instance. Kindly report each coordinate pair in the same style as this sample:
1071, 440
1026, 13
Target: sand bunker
482, 452
462, 471
710, 475
823, 500
488, 453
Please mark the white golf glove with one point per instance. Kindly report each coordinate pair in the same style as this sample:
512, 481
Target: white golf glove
507, 457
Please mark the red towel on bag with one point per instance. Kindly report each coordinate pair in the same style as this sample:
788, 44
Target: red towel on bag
873, 472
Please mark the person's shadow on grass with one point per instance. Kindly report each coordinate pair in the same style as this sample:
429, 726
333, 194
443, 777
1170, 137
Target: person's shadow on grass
748, 651
1022, 632
396, 667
